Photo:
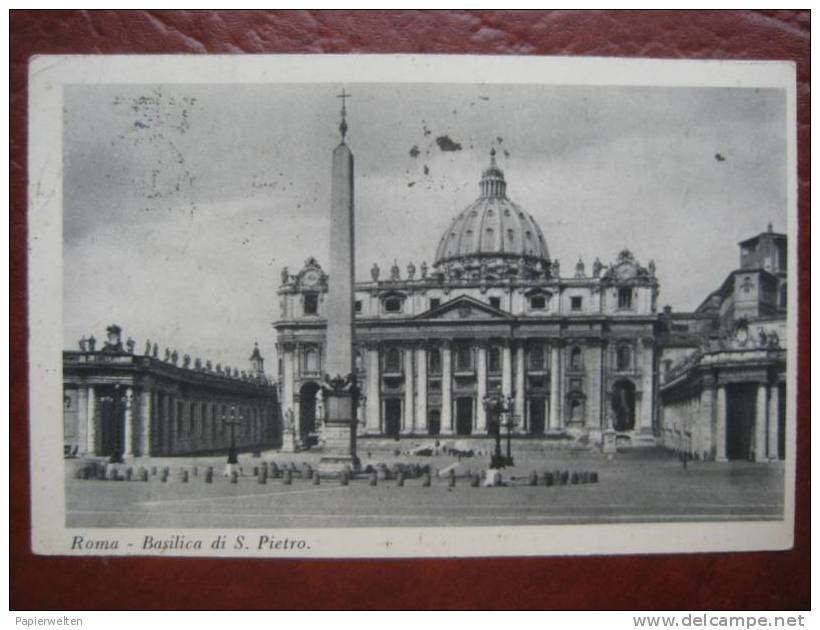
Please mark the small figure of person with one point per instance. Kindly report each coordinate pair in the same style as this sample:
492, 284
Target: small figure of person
375, 272
83, 344
92, 343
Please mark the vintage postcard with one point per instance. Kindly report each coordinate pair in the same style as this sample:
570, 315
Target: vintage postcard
366, 306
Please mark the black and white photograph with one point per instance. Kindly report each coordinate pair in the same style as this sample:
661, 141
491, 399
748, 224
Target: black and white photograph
411, 306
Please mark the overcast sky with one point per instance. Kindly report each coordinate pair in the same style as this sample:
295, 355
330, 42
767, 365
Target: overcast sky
182, 203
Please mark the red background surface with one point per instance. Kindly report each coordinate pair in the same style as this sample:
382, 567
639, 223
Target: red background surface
699, 581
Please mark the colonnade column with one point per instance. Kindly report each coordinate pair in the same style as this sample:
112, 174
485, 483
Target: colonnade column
128, 437
481, 387
774, 426
520, 384
373, 391
409, 389
145, 413
761, 410
555, 386
506, 369
446, 389
91, 412
421, 389
82, 419
720, 424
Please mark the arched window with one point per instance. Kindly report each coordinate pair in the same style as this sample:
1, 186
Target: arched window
311, 360
392, 360
576, 363
393, 303
624, 358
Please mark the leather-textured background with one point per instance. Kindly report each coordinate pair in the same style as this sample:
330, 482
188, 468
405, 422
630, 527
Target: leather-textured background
711, 581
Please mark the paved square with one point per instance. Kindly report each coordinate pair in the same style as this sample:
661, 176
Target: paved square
647, 485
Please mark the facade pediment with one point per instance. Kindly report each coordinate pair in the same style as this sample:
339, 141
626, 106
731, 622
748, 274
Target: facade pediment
463, 308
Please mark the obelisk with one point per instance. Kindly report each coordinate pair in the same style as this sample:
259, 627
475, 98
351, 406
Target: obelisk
340, 388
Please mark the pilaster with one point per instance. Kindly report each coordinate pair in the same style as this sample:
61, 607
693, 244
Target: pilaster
446, 389
481, 387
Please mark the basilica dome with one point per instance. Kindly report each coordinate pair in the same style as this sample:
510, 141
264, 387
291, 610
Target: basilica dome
493, 231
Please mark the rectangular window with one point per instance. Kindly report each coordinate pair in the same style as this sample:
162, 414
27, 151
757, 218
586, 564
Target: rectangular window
494, 359
434, 361
576, 302
434, 303
464, 358
495, 302
625, 297
538, 302
537, 358
311, 301
358, 306
393, 305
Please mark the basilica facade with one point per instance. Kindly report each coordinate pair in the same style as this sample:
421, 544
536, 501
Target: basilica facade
572, 351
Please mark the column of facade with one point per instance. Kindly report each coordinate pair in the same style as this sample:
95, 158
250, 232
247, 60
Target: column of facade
146, 400
446, 389
720, 424
761, 412
506, 369
555, 387
421, 389
91, 426
520, 388
286, 403
646, 348
774, 425
374, 404
481, 387
408, 425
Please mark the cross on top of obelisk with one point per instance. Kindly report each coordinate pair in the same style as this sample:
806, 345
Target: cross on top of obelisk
343, 125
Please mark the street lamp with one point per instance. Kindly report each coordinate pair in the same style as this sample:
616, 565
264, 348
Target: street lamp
231, 422
500, 406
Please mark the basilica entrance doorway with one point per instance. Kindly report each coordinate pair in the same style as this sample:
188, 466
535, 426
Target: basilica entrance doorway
307, 412
538, 415
392, 417
740, 420
434, 422
464, 416
623, 405
112, 423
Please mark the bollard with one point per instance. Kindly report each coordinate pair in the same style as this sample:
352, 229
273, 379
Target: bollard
549, 479
163, 476
112, 474
475, 480
343, 478
307, 471
234, 476
585, 477
262, 477
400, 479
533, 481
287, 477
209, 474
425, 479
129, 472
382, 475
153, 471
256, 471
143, 474
84, 474
274, 470
593, 477
574, 479
373, 479
564, 478
184, 475
196, 471
451, 479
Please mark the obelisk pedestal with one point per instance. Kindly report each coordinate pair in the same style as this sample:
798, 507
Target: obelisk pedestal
340, 387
